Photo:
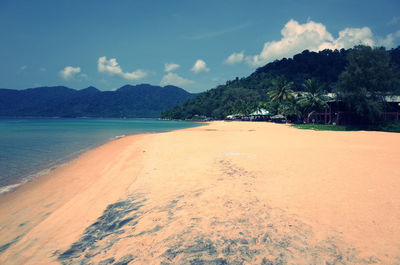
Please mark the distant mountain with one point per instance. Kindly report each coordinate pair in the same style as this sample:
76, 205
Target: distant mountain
140, 101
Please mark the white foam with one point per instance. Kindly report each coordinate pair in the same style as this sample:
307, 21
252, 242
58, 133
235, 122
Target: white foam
118, 137
9, 188
13, 187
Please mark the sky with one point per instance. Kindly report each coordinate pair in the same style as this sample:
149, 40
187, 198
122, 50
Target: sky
195, 45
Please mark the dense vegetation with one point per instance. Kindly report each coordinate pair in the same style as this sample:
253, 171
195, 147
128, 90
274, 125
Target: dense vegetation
365, 82
141, 101
261, 89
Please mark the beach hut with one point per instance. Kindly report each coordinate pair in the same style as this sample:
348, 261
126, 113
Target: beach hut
278, 118
337, 113
235, 117
260, 115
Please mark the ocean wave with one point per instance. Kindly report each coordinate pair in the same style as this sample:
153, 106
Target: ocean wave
9, 188
117, 137
13, 187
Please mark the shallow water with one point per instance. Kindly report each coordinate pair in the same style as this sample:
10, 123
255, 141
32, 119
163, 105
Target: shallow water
32, 147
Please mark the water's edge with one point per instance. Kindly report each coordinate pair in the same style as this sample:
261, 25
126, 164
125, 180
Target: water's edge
48, 168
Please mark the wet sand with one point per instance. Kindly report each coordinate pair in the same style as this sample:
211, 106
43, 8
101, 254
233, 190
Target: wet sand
226, 193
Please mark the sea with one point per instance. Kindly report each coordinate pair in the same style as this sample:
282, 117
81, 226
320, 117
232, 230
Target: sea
31, 147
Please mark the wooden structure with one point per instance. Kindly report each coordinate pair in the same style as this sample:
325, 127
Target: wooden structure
336, 113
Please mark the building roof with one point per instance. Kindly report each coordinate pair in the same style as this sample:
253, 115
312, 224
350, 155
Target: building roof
260, 112
392, 98
279, 116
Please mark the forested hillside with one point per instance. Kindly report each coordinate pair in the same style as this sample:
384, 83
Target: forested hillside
246, 94
140, 101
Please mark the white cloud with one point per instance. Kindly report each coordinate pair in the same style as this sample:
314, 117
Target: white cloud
348, 38
112, 67
235, 58
169, 67
138, 74
42, 69
295, 38
311, 36
389, 41
175, 79
69, 72
200, 66
24, 67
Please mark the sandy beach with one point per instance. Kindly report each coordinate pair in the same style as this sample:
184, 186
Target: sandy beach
225, 193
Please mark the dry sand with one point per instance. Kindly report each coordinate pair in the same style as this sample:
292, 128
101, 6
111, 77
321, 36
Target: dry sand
226, 193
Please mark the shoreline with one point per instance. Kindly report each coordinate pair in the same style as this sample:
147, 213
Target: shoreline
53, 166
45, 171
224, 192
54, 190
19, 181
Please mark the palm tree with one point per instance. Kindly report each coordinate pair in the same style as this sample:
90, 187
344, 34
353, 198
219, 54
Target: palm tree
313, 100
281, 90
292, 109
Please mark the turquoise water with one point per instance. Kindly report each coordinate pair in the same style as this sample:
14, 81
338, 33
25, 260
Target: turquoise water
32, 147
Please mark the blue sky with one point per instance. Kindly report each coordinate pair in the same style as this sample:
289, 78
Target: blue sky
193, 44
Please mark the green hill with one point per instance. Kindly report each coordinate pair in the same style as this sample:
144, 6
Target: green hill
245, 94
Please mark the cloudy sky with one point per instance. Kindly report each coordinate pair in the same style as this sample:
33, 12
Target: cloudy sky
192, 44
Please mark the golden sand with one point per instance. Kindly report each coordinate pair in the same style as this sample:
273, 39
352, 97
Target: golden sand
226, 193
